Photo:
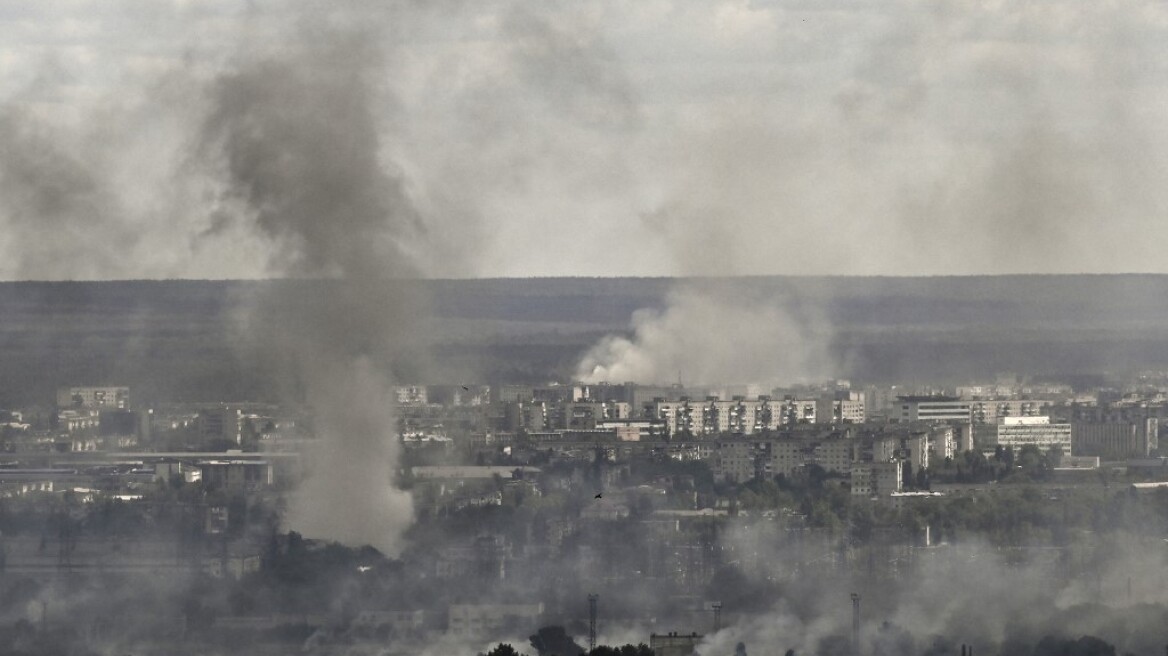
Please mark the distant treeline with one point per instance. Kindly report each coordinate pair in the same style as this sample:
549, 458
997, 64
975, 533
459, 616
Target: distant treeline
178, 339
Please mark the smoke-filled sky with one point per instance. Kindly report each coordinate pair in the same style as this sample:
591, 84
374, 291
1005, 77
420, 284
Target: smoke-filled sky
661, 137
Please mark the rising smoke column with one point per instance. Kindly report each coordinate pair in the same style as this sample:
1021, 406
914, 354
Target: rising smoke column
295, 141
713, 334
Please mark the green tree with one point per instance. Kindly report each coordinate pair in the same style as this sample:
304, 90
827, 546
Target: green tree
1084, 646
624, 650
555, 641
503, 649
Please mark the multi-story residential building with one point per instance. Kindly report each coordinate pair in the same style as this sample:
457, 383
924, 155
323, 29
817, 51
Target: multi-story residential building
411, 395
738, 460
739, 415
585, 415
911, 447
948, 440
834, 455
877, 479
634, 430
840, 407
798, 411
742, 459
988, 412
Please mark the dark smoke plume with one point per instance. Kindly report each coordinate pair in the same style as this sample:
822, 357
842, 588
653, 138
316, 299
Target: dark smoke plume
297, 143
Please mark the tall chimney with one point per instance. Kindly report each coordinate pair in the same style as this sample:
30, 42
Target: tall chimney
592, 599
855, 624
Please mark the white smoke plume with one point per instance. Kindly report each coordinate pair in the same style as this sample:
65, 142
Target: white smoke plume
713, 334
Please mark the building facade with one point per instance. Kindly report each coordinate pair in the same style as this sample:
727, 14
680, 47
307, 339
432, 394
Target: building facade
931, 408
1017, 432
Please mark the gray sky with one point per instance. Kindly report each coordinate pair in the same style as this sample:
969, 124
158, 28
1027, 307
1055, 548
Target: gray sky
662, 137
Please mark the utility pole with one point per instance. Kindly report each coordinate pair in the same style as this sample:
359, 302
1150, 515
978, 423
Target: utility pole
592, 599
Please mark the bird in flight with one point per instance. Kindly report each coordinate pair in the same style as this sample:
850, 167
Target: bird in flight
597, 496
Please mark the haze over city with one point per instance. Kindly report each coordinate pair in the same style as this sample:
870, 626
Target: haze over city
662, 328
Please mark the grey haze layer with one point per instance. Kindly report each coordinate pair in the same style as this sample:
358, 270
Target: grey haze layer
675, 138
372, 141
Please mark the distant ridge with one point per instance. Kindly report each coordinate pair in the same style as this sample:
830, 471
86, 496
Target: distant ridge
175, 338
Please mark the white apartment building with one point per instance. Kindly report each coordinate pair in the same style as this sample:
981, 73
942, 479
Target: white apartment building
842, 407
1017, 432
743, 416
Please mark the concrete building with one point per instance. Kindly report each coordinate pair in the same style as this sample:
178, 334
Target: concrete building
511, 394
738, 415
236, 475
1116, 440
223, 422
877, 479
78, 420
911, 447
673, 644
931, 408
531, 416
943, 441
740, 460
101, 397
880, 401
395, 622
634, 430
988, 412
411, 395
798, 411
487, 620
841, 407
585, 415
1017, 432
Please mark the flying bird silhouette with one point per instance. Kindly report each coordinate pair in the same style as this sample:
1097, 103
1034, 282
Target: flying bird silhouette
597, 496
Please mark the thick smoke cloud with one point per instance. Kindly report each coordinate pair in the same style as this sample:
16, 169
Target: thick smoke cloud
47, 186
296, 141
713, 334
891, 138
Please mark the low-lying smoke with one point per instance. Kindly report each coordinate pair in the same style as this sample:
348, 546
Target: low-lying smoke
712, 334
1001, 600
